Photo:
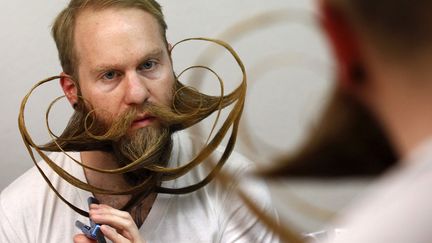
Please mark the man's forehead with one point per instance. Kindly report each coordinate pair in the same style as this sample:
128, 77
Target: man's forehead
110, 31
90, 21
90, 11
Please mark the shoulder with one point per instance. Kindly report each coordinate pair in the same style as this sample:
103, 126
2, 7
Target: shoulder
18, 203
189, 145
395, 209
233, 219
31, 182
16, 194
26, 197
29, 208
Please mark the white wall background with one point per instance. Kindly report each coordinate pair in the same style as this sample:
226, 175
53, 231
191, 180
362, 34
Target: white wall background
289, 78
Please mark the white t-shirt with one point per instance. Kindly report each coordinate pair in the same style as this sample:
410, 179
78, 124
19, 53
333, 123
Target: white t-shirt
31, 212
398, 209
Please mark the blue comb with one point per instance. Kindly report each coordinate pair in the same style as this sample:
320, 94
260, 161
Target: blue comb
93, 231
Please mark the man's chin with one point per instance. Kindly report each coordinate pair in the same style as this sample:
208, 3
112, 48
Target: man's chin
150, 140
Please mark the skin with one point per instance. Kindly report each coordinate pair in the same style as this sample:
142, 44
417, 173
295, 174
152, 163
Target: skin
123, 61
118, 226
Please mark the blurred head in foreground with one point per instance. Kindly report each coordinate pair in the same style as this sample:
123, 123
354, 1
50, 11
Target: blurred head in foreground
380, 110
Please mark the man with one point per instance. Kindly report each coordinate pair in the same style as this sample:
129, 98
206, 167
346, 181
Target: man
117, 71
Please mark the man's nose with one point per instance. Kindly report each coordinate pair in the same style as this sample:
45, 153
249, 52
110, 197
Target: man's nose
136, 89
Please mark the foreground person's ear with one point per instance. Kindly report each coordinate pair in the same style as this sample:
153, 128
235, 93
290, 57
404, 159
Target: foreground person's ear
344, 43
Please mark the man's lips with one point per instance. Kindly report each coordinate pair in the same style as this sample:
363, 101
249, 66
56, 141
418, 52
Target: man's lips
143, 121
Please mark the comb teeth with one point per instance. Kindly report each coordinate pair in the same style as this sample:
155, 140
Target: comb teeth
92, 200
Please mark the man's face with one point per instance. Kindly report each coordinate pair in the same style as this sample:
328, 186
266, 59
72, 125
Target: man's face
123, 62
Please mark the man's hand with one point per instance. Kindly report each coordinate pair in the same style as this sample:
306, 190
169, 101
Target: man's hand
118, 226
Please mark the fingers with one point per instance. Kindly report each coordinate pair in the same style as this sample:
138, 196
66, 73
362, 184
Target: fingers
81, 238
105, 209
112, 235
122, 222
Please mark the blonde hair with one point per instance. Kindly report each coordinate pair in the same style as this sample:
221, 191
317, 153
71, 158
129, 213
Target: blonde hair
64, 25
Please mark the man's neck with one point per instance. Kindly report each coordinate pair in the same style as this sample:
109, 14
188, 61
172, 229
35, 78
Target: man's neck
114, 182
403, 103
410, 128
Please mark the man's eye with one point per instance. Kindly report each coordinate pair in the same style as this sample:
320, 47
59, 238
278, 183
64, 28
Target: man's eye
110, 75
146, 66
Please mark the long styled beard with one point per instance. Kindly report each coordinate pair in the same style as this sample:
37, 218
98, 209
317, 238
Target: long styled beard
88, 132
151, 145
189, 107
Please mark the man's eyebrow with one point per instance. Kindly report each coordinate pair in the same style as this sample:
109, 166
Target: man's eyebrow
157, 52
153, 53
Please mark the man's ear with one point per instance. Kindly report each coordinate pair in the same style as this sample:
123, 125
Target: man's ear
344, 43
70, 88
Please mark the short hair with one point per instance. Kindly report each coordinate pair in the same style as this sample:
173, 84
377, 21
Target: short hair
396, 26
64, 25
